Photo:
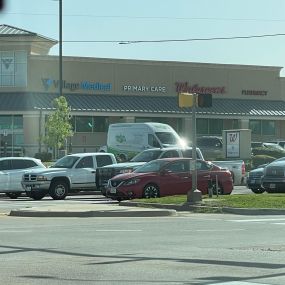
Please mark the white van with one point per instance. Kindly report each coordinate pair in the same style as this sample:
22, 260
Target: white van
125, 140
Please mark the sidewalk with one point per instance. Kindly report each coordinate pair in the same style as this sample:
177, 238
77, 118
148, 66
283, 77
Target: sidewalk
131, 209
91, 210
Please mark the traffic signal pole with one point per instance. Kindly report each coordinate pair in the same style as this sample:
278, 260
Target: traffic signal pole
194, 195
193, 101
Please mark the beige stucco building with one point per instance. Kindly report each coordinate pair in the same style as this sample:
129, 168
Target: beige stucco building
102, 91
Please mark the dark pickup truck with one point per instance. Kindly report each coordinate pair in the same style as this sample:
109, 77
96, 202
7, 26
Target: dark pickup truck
103, 174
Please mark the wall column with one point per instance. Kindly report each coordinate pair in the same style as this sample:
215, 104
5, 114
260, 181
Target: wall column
244, 123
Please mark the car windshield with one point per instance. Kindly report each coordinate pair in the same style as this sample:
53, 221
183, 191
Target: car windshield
66, 162
273, 145
167, 138
152, 166
147, 155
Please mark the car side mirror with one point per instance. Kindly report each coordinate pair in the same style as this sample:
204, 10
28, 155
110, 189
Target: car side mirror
165, 172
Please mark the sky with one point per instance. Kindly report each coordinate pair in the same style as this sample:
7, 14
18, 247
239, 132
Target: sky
167, 30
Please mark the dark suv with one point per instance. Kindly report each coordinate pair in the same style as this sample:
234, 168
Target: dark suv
211, 147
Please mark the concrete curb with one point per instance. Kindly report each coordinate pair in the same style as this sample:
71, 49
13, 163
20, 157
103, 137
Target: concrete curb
247, 211
200, 208
88, 214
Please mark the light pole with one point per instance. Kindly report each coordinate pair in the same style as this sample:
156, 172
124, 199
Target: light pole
60, 47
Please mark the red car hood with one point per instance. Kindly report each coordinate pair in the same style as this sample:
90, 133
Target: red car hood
126, 176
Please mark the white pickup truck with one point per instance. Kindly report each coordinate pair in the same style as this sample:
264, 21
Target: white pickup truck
72, 173
236, 167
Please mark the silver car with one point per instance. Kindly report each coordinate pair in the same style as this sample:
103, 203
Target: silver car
11, 172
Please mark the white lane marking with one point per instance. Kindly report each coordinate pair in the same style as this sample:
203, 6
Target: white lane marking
15, 231
278, 223
217, 230
118, 230
258, 220
238, 283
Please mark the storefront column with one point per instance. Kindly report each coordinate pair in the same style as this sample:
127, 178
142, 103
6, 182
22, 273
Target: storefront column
31, 125
244, 124
129, 119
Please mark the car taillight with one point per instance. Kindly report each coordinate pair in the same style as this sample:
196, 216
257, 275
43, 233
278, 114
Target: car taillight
243, 168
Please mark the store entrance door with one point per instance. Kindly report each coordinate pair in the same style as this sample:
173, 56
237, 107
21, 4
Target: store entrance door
7, 146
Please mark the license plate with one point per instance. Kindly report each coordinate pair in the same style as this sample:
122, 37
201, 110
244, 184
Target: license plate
28, 188
272, 186
113, 190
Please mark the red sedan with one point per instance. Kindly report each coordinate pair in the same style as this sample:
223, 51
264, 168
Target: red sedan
168, 176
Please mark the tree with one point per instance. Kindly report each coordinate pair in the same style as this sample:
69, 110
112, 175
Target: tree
58, 126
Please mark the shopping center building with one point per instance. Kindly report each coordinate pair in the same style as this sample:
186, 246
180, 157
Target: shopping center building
101, 91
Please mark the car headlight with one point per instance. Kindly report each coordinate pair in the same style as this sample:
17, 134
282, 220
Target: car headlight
128, 170
41, 178
131, 181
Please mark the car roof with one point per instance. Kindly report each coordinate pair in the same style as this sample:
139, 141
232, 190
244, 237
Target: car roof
81, 154
18, 158
170, 148
176, 159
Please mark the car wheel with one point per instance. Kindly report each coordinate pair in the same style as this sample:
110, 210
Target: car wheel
220, 189
58, 190
150, 191
37, 195
13, 195
258, 190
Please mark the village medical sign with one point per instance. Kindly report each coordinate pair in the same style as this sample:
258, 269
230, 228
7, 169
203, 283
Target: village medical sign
49, 83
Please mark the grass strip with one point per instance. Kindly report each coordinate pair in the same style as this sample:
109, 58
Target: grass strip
272, 201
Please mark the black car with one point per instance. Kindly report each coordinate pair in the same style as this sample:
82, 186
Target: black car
254, 180
273, 179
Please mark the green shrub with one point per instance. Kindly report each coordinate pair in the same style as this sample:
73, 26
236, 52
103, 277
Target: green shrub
270, 151
261, 159
43, 156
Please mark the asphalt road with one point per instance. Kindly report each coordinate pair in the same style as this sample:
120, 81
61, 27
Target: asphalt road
187, 249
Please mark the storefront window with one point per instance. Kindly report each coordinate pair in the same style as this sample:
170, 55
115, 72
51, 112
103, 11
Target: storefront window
255, 126
156, 119
268, 127
209, 126
18, 122
101, 124
13, 69
6, 122
84, 124
18, 139
202, 126
215, 126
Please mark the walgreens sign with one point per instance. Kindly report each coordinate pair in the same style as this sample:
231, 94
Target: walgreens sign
195, 88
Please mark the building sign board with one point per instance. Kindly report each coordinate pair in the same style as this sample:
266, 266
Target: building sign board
254, 92
233, 144
185, 87
144, 88
73, 86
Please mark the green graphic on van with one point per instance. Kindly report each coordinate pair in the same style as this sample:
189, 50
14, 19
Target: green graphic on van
120, 138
